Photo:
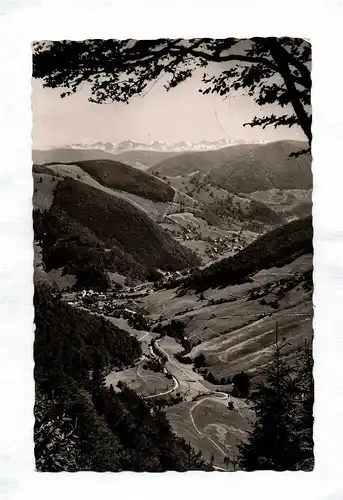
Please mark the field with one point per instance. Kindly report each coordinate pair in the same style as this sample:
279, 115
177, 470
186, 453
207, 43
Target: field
211, 427
290, 202
145, 382
236, 332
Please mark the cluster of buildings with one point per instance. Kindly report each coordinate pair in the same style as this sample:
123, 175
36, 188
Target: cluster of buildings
218, 246
112, 304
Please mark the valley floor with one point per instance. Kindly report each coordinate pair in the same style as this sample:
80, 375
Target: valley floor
234, 327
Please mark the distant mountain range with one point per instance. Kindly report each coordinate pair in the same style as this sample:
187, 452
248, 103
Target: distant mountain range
129, 145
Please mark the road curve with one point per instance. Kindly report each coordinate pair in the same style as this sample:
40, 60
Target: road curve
181, 369
176, 385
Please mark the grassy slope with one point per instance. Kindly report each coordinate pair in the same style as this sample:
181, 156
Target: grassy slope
41, 169
234, 327
274, 248
212, 420
291, 204
71, 247
235, 335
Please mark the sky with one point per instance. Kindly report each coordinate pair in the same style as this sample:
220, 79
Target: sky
180, 114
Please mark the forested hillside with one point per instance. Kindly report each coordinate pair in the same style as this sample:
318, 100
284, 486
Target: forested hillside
245, 168
116, 175
81, 424
88, 231
269, 166
199, 161
275, 248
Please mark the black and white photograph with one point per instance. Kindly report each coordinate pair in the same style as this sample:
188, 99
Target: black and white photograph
173, 255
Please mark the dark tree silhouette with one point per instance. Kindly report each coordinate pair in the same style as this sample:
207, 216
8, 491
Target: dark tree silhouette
241, 382
270, 70
281, 436
199, 360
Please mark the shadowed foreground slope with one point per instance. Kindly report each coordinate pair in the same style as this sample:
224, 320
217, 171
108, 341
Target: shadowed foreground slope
82, 425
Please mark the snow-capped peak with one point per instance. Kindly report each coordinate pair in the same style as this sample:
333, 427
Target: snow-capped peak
129, 145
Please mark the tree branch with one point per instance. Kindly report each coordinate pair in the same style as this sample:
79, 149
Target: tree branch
278, 54
305, 78
229, 57
153, 55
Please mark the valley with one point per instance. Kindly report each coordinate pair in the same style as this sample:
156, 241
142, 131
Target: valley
189, 265
173, 255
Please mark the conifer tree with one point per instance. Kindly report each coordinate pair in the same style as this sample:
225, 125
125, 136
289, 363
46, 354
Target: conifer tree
303, 409
272, 443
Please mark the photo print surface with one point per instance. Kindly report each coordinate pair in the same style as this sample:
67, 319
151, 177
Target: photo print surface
173, 253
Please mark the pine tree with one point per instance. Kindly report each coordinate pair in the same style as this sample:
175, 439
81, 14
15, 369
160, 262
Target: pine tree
272, 443
233, 460
303, 409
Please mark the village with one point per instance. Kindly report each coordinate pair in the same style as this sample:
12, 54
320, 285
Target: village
114, 303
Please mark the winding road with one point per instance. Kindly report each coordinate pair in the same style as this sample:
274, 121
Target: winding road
224, 398
176, 385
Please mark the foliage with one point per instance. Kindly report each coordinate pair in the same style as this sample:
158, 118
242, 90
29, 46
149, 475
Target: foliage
92, 276
175, 329
199, 361
258, 167
169, 401
270, 70
281, 437
80, 423
41, 169
210, 378
57, 446
144, 431
68, 344
303, 409
241, 382
180, 356
223, 212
